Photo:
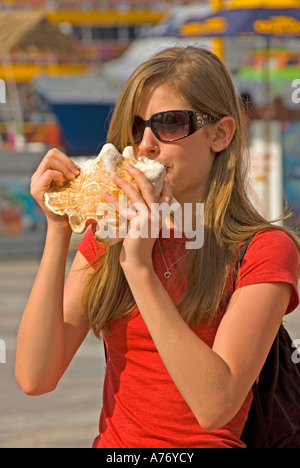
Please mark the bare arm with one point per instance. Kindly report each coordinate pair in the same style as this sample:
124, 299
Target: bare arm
53, 325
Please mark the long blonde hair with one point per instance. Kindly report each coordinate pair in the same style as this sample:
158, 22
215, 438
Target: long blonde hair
201, 79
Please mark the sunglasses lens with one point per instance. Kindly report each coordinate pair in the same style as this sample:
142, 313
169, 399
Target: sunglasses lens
166, 126
138, 129
170, 126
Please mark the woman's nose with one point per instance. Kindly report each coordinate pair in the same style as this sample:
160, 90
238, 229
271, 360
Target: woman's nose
149, 146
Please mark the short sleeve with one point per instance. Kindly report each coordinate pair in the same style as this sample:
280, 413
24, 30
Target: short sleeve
90, 248
272, 256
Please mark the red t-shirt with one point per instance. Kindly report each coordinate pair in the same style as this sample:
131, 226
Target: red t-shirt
142, 407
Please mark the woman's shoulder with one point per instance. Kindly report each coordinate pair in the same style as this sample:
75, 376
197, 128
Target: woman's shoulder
273, 244
272, 256
274, 235
269, 250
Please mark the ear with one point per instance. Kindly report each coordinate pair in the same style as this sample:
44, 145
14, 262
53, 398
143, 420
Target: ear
222, 134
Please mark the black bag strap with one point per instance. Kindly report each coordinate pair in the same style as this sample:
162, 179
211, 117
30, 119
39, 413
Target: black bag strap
256, 399
105, 350
240, 259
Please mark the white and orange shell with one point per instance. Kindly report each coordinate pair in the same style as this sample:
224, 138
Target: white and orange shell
82, 199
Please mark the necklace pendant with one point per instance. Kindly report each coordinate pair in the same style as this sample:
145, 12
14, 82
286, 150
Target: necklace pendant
167, 274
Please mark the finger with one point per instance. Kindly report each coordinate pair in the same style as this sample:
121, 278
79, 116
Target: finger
121, 206
39, 188
45, 181
60, 166
166, 194
57, 155
57, 160
144, 184
128, 189
56, 176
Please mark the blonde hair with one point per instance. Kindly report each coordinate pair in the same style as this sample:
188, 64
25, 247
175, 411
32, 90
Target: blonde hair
200, 78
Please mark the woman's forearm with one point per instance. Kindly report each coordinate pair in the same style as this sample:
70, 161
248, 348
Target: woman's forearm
40, 344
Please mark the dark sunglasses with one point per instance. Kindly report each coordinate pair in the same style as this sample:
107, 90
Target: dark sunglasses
171, 125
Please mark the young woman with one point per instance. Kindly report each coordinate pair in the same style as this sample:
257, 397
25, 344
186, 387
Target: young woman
183, 348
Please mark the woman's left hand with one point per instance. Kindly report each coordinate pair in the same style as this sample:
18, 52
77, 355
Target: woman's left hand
144, 216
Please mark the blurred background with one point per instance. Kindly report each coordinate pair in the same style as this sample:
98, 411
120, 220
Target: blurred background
63, 64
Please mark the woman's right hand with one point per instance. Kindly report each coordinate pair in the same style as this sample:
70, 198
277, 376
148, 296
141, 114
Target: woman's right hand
55, 169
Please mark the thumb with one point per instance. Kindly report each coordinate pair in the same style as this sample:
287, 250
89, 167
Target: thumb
166, 194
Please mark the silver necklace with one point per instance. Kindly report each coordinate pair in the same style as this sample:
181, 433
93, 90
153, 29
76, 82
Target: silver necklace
167, 273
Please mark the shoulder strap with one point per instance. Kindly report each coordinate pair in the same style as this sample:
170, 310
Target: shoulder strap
240, 259
256, 398
105, 350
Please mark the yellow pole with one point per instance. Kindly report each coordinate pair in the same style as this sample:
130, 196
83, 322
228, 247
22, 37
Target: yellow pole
218, 43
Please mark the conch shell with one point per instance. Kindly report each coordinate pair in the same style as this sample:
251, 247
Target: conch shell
82, 198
